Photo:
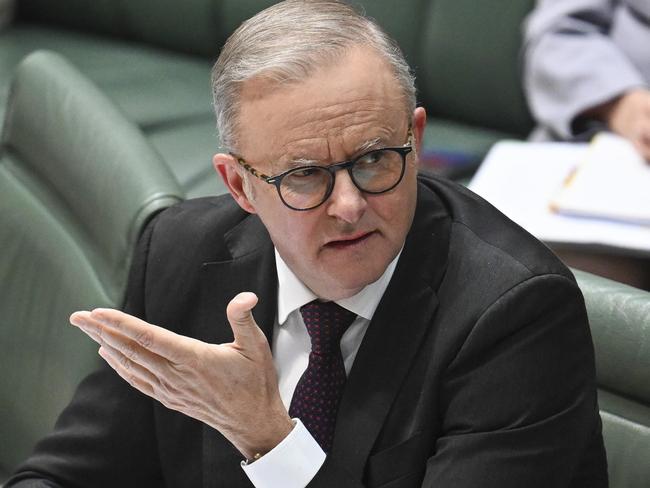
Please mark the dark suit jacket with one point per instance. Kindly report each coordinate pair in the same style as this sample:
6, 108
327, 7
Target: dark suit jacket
476, 371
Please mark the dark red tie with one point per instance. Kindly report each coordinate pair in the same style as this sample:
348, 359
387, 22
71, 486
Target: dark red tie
316, 397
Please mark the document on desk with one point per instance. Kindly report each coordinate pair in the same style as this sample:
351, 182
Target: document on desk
611, 181
522, 178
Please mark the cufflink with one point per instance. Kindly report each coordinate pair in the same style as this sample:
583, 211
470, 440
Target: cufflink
255, 457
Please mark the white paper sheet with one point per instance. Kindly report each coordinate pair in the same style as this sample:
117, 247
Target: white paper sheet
520, 178
612, 182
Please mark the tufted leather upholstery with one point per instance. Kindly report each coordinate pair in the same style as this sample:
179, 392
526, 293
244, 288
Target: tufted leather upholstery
77, 184
619, 316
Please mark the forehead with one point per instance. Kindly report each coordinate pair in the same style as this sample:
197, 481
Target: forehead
328, 116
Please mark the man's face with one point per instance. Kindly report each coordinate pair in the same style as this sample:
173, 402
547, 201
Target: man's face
338, 113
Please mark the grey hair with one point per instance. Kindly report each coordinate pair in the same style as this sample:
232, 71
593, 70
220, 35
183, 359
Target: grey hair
286, 43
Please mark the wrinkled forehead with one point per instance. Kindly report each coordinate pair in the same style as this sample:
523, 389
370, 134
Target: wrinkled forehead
342, 108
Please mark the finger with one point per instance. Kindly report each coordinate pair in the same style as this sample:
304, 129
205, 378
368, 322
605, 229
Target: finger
143, 380
82, 321
135, 353
134, 374
240, 317
151, 337
128, 348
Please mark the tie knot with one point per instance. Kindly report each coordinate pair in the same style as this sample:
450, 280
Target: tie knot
326, 322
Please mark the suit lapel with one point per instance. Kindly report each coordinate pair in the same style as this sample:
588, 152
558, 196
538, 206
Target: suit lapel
394, 336
252, 268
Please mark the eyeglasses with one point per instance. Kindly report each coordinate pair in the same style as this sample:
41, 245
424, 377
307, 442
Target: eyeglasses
307, 187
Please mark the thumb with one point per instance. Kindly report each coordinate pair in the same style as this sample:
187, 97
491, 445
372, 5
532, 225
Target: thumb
240, 316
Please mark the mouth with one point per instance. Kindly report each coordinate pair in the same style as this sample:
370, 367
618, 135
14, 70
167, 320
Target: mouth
351, 241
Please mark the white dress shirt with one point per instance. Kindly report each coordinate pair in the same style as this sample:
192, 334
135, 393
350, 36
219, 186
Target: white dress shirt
297, 459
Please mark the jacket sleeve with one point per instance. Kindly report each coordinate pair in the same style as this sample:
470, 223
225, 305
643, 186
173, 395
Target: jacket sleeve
572, 62
105, 436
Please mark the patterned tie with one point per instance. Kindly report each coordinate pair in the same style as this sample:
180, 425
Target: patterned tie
316, 398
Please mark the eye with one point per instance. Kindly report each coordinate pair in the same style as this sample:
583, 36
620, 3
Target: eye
371, 158
304, 178
374, 160
303, 172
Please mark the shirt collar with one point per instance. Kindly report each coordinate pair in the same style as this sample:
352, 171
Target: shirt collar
293, 293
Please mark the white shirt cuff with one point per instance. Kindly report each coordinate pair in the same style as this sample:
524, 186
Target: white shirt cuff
290, 464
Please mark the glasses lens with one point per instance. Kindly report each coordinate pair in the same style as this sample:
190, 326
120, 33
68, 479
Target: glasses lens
378, 171
305, 188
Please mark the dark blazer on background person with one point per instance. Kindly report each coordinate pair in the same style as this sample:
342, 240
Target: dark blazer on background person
476, 370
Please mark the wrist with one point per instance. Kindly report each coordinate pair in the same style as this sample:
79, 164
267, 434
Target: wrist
267, 439
291, 464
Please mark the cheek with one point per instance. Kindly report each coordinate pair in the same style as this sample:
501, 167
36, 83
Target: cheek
292, 233
395, 212
395, 208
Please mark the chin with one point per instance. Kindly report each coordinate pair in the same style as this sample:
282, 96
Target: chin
352, 283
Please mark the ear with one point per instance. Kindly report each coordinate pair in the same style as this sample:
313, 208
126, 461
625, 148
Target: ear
419, 123
228, 168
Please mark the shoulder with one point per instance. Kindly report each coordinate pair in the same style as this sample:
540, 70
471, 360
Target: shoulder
487, 253
499, 280
201, 214
174, 254
479, 231
197, 228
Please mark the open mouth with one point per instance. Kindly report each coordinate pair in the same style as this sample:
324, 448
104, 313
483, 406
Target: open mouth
351, 242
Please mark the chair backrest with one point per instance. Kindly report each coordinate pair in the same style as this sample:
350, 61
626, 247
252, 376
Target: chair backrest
468, 64
619, 316
197, 27
77, 184
188, 26
465, 53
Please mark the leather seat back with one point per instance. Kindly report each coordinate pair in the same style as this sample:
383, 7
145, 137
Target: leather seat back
619, 316
77, 184
468, 63
190, 26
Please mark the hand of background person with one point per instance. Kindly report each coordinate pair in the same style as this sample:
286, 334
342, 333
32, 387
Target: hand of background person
629, 116
231, 387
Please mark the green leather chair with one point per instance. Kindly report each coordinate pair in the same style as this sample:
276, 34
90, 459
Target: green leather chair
468, 73
153, 60
619, 316
77, 183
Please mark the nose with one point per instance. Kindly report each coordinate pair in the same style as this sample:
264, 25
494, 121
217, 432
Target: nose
347, 202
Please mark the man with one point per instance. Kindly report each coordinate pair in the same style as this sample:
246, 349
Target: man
587, 68
468, 359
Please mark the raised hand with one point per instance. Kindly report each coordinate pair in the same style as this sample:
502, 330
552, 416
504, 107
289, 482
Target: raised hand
231, 387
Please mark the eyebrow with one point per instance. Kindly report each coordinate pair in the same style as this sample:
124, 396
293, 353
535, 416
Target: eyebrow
360, 149
365, 146
369, 145
297, 162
